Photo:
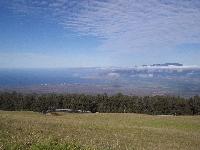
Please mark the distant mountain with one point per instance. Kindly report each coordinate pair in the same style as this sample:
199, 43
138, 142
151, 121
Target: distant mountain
165, 65
168, 64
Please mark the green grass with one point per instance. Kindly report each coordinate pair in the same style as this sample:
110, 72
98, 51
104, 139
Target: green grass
30, 130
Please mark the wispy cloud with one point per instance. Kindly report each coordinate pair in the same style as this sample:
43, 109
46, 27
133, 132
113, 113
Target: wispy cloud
123, 25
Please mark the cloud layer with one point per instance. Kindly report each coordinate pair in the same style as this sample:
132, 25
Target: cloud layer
123, 25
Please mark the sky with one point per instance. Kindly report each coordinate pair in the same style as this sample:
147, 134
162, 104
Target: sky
98, 33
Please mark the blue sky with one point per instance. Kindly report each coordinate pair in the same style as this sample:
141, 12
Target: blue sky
89, 33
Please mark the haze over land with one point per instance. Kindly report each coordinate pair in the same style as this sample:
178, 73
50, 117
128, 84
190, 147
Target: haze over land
157, 79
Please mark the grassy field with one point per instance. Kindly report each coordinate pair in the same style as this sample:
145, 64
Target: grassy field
30, 130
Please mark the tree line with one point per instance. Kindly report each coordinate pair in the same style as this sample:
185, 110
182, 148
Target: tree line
119, 103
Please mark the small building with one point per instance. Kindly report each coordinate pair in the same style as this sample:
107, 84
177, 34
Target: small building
72, 111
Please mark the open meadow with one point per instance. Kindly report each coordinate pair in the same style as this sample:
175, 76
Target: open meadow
31, 130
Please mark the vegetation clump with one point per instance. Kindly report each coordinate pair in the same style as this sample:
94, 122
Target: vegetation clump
119, 103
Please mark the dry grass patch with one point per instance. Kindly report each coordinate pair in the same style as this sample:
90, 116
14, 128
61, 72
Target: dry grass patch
99, 131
